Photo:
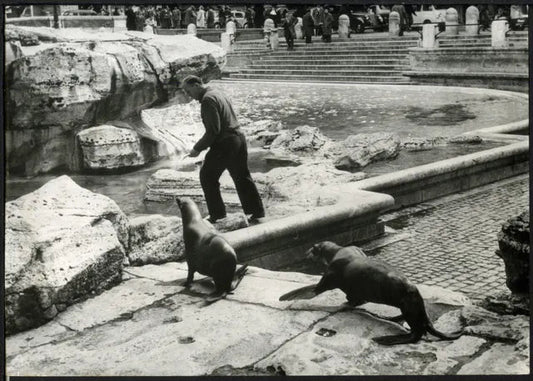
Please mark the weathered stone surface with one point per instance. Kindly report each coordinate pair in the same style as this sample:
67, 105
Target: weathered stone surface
513, 242
156, 239
303, 140
301, 185
357, 151
109, 147
63, 243
261, 133
250, 333
465, 139
166, 184
421, 144
91, 79
499, 359
506, 303
24, 36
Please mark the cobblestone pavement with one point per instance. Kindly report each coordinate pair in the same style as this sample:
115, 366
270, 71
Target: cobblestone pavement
451, 242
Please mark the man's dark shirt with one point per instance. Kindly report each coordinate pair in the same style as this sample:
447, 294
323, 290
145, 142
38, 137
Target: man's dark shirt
218, 117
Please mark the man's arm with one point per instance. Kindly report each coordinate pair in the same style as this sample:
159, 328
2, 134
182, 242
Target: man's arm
211, 120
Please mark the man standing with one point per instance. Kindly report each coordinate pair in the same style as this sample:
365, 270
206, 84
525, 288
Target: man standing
307, 24
289, 30
227, 150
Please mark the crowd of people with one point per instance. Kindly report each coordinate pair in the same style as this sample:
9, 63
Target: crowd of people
176, 17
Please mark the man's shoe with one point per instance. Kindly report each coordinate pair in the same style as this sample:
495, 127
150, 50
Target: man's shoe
213, 219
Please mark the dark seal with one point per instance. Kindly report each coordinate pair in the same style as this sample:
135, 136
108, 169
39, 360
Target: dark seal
207, 252
365, 280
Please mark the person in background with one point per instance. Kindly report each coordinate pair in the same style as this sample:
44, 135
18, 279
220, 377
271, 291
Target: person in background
289, 30
410, 9
210, 17
222, 16
308, 26
327, 25
250, 16
139, 19
227, 150
166, 17
176, 18
190, 16
200, 17
484, 17
130, 19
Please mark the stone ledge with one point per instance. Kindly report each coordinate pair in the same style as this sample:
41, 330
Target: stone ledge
465, 75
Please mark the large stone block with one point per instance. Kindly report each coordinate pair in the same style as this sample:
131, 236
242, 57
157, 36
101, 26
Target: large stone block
63, 243
79, 79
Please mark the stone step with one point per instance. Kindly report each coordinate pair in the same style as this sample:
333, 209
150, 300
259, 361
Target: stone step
318, 72
335, 40
352, 62
463, 44
313, 57
325, 78
303, 53
331, 67
336, 44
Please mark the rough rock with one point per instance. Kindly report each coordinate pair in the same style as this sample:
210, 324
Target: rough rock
63, 243
513, 242
508, 303
261, 133
166, 184
357, 151
302, 185
109, 147
24, 36
302, 140
422, 144
90, 79
156, 239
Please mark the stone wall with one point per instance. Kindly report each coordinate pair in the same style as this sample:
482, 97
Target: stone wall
505, 69
77, 79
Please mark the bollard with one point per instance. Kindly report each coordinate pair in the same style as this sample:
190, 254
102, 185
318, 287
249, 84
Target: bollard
274, 39
452, 22
148, 29
394, 24
498, 30
191, 29
472, 20
344, 27
428, 36
225, 42
298, 28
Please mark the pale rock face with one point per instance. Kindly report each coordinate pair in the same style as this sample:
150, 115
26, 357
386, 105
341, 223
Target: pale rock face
63, 243
108, 147
303, 140
357, 151
78, 79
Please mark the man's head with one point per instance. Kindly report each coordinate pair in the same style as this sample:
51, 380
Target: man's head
193, 86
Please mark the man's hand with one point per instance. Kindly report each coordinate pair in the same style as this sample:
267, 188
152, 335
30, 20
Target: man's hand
194, 153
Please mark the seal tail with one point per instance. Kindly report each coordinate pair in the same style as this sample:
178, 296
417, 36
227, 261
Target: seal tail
239, 274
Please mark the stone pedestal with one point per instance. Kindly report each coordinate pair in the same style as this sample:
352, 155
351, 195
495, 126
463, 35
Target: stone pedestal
498, 30
452, 22
394, 24
268, 27
225, 42
119, 24
274, 39
428, 36
344, 27
472, 20
231, 30
299, 29
191, 29
513, 243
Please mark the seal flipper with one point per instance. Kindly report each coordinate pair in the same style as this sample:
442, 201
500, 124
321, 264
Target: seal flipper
406, 338
307, 292
215, 296
237, 277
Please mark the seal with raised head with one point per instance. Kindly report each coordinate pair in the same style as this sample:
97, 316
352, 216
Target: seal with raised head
365, 279
207, 252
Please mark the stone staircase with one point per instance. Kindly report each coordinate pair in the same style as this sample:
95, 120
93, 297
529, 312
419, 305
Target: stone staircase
372, 60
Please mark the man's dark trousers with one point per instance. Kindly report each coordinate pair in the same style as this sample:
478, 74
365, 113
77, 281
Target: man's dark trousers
229, 152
